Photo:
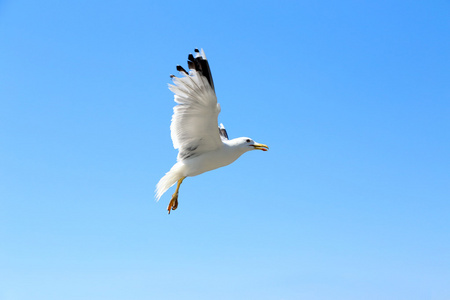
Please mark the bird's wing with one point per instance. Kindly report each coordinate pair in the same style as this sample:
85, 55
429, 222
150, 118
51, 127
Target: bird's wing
194, 121
223, 132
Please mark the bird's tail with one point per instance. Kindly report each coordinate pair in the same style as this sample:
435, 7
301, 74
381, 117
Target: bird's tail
168, 180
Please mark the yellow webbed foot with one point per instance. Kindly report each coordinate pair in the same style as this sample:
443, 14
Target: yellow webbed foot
173, 204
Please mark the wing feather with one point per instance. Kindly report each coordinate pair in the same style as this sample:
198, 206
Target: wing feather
223, 132
195, 118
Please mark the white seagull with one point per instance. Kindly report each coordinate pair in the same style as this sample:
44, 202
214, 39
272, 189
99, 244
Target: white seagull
202, 145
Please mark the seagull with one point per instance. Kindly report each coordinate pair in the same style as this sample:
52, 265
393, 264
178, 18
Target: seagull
202, 144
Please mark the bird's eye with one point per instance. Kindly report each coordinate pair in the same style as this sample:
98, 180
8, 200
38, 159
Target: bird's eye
248, 140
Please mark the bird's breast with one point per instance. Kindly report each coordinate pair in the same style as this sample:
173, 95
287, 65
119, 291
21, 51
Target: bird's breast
209, 161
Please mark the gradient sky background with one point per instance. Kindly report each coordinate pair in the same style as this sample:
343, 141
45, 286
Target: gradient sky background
351, 201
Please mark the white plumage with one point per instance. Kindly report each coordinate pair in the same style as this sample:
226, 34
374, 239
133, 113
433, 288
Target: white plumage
194, 122
202, 145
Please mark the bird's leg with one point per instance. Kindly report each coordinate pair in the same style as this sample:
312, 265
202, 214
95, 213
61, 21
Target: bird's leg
173, 204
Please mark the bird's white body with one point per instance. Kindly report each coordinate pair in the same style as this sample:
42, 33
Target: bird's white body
202, 145
211, 160
229, 151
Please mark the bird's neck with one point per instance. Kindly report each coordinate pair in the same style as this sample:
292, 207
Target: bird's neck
234, 146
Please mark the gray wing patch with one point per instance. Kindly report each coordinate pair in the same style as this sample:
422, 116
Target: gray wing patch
223, 132
189, 151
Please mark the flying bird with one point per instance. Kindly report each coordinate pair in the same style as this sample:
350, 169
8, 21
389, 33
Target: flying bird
202, 144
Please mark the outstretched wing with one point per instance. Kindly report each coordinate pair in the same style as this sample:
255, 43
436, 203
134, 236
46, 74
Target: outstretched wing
194, 121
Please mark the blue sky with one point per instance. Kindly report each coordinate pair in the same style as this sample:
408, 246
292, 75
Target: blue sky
351, 201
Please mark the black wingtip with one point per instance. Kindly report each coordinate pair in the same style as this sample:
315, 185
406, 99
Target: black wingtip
172, 76
223, 133
181, 69
199, 64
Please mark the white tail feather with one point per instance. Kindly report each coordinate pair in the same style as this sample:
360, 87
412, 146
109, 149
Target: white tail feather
169, 180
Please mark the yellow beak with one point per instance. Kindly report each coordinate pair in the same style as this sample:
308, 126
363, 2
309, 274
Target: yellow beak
261, 147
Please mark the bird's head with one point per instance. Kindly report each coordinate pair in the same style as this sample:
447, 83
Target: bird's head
248, 144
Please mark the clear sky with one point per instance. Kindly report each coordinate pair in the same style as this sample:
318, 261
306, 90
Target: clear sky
352, 201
